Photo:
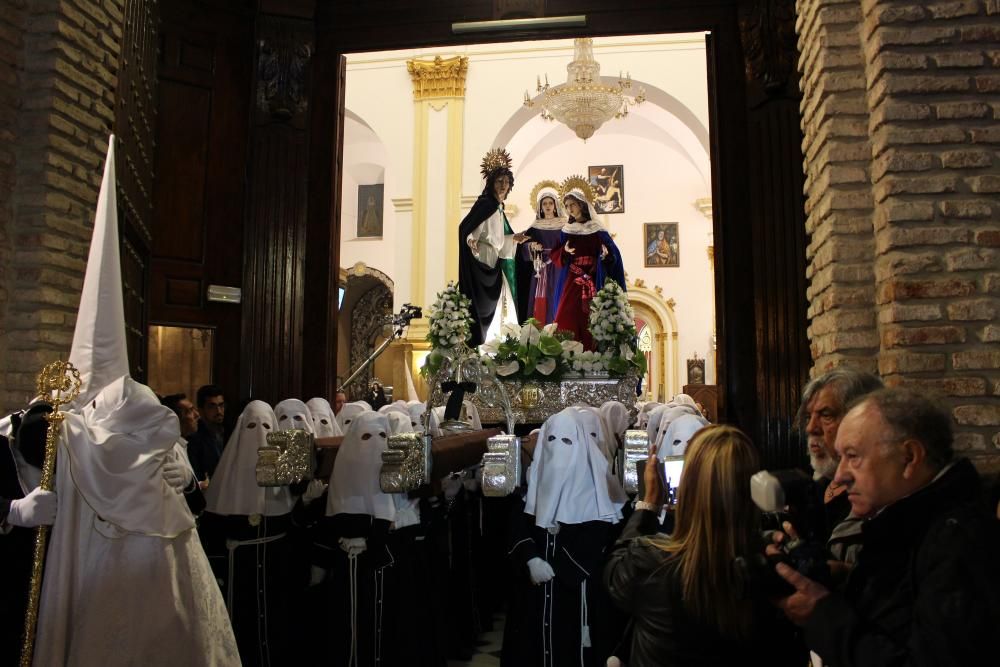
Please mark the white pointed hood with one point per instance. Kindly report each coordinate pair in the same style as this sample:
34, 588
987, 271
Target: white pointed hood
234, 490
99, 350
568, 479
324, 421
354, 483
349, 413
292, 413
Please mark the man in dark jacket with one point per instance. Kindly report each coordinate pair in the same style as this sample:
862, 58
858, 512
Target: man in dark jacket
824, 404
925, 588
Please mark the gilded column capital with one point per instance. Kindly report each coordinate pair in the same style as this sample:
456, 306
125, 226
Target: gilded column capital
441, 77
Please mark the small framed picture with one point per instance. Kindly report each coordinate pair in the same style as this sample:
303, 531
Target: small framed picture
662, 247
370, 210
608, 183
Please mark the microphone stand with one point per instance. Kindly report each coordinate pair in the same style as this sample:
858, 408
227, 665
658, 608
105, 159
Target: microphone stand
396, 335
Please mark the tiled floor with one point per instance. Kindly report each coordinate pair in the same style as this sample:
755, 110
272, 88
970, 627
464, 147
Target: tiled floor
488, 648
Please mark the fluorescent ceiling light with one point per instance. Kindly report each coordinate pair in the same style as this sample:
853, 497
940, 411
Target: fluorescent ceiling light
576, 21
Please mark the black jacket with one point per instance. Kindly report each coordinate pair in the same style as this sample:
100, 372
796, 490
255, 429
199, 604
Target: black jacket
645, 581
926, 587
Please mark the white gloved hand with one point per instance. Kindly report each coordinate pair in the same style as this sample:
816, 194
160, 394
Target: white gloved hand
353, 546
315, 489
38, 508
451, 485
540, 571
177, 475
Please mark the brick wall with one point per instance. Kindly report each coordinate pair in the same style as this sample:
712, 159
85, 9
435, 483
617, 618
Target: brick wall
11, 50
839, 202
923, 79
59, 94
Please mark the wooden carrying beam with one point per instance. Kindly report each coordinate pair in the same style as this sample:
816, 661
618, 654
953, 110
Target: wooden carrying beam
450, 453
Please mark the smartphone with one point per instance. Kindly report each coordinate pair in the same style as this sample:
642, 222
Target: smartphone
670, 468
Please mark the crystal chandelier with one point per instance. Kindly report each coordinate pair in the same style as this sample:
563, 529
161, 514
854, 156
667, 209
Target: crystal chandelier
583, 103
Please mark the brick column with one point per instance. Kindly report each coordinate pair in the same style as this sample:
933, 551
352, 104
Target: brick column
57, 101
933, 87
930, 85
839, 201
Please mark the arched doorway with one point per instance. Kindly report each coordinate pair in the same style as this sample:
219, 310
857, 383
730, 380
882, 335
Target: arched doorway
657, 314
364, 314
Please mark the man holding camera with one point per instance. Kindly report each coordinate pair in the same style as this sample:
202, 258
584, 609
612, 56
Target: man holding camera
925, 589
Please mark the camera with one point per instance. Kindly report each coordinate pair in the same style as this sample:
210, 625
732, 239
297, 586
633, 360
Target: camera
406, 313
784, 495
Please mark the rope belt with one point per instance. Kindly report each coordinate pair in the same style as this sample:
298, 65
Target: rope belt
232, 545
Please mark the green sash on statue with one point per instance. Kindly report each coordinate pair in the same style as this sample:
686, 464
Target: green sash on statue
507, 265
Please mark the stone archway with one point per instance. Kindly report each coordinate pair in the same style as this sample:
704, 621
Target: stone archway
367, 307
658, 313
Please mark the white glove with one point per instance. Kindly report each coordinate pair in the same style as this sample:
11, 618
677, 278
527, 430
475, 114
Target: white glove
315, 489
353, 546
177, 475
539, 571
451, 485
36, 509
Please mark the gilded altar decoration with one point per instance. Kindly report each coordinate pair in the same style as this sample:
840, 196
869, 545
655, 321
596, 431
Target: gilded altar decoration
533, 401
288, 457
441, 77
59, 384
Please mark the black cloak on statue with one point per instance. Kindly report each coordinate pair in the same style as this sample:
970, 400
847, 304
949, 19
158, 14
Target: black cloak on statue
477, 281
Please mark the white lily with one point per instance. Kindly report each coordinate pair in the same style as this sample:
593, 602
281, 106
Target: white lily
550, 329
491, 347
572, 346
509, 330
626, 351
546, 365
529, 335
507, 369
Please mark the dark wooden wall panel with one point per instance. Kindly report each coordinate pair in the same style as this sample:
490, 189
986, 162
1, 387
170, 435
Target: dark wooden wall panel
206, 58
135, 122
274, 256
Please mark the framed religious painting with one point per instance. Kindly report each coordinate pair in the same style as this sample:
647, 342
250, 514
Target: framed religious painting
662, 246
608, 183
370, 210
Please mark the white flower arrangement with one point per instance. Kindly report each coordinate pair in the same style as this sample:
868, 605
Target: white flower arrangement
526, 350
587, 362
612, 326
449, 329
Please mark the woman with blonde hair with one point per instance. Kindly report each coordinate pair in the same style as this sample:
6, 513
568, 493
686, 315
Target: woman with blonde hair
683, 590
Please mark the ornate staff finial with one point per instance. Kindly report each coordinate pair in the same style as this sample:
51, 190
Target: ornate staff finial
59, 384
497, 158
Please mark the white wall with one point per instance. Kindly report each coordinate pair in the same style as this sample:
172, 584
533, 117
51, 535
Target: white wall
662, 146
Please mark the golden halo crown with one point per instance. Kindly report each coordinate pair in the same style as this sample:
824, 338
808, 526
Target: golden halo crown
577, 182
541, 185
496, 158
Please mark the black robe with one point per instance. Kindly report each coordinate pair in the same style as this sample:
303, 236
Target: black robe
252, 564
477, 281
545, 623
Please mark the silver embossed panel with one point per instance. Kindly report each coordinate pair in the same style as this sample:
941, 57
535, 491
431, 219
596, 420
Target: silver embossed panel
288, 457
